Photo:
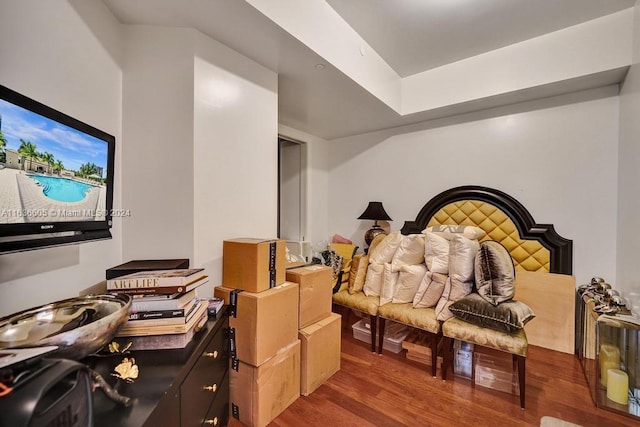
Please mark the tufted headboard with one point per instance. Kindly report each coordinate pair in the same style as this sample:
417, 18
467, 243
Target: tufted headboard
536, 249
533, 247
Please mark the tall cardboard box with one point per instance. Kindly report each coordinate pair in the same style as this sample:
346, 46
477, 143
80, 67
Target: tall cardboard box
254, 265
259, 394
319, 353
315, 292
264, 322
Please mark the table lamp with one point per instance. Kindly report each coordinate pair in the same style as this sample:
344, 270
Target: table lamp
374, 212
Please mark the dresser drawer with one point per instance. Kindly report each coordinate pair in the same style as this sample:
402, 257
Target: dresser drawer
204, 382
218, 414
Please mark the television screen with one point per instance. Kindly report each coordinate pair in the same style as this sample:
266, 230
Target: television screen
56, 176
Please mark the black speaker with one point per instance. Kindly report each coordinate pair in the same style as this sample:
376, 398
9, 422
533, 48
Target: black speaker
55, 393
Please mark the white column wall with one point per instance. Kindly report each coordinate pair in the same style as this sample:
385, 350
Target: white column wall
65, 55
628, 280
235, 152
558, 157
157, 159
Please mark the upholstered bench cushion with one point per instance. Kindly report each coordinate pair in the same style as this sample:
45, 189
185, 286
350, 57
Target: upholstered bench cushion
423, 318
514, 343
358, 301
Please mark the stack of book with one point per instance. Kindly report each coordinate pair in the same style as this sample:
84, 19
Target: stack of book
165, 312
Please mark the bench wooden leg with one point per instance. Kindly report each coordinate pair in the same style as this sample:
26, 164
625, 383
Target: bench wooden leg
447, 356
373, 324
434, 354
521, 360
381, 326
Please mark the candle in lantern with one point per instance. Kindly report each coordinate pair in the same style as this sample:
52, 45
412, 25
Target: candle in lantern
609, 359
618, 386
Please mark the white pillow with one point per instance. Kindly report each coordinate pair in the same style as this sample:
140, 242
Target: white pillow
436, 253
430, 290
442, 308
462, 255
448, 231
385, 250
373, 282
389, 283
409, 280
410, 252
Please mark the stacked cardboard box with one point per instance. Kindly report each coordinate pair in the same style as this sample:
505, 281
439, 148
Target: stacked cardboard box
263, 328
319, 332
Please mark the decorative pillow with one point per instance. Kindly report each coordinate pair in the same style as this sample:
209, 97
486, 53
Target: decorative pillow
373, 282
462, 255
495, 273
332, 259
385, 250
409, 280
389, 283
508, 316
346, 251
358, 273
430, 290
436, 253
448, 231
410, 252
442, 307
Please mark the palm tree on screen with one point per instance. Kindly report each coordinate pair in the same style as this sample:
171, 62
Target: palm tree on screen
28, 149
49, 159
58, 166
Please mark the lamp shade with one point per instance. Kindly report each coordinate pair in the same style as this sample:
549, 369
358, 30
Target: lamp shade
375, 212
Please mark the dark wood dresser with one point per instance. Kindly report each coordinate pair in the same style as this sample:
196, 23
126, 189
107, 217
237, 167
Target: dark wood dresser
183, 388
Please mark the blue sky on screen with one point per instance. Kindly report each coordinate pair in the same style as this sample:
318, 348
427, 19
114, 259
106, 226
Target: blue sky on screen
69, 145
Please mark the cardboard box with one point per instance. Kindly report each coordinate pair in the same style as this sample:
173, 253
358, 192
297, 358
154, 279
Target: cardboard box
319, 352
418, 346
494, 369
260, 394
264, 322
315, 292
254, 265
394, 334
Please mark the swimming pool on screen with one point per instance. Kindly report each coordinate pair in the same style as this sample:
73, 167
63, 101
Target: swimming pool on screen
62, 189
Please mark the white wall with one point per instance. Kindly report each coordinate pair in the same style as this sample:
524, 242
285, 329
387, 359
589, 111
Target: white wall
557, 156
235, 151
65, 55
157, 159
628, 280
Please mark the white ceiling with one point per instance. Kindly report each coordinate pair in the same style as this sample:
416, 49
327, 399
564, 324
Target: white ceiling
410, 35
417, 35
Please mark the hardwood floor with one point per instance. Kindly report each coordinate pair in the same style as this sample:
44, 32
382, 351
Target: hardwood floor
389, 390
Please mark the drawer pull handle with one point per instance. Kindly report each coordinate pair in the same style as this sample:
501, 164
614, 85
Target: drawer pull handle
211, 388
213, 422
213, 354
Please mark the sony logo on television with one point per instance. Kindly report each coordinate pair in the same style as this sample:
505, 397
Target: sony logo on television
46, 227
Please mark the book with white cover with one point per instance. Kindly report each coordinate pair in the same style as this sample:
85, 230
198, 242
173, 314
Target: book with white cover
156, 279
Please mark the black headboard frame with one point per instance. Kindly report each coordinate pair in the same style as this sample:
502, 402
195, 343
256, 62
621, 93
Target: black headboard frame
560, 249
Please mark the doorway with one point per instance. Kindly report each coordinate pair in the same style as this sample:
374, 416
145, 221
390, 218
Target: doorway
292, 194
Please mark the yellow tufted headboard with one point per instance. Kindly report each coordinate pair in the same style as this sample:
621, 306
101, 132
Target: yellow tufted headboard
528, 255
533, 247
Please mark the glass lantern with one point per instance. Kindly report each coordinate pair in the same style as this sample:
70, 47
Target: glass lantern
617, 366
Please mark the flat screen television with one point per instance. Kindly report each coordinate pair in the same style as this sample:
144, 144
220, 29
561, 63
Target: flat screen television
56, 176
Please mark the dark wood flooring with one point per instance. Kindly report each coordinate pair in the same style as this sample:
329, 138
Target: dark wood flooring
389, 390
